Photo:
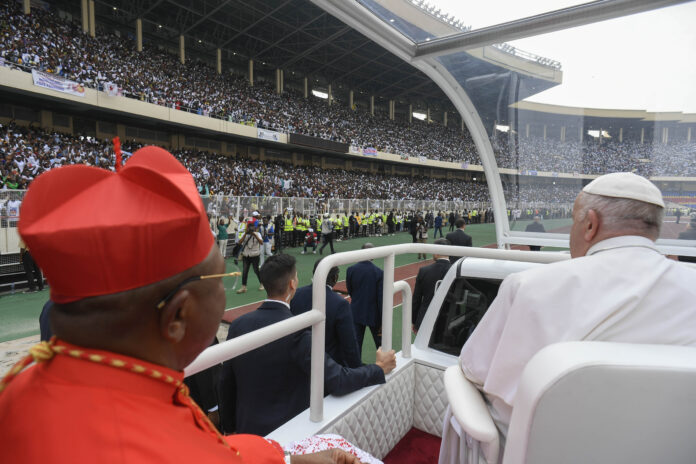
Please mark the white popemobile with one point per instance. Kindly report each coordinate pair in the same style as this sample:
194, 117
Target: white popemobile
578, 402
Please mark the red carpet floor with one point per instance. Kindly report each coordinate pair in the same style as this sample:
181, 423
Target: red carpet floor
416, 447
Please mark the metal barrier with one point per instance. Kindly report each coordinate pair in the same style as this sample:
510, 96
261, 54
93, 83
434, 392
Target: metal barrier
236, 206
316, 317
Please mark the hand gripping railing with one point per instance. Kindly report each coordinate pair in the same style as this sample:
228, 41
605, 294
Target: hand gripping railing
317, 316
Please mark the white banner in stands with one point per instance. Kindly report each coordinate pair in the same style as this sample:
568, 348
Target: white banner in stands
354, 150
268, 135
53, 82
112, 89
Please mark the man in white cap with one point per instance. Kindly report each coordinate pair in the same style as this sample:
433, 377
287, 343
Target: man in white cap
617, 287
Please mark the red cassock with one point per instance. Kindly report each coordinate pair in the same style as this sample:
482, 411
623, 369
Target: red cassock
73, 410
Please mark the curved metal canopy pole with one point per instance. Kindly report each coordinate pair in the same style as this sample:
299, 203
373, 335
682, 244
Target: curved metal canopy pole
362, 20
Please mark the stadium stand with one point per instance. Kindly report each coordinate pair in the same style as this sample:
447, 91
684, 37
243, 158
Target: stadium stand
26, 152
46, 42
593, 157
51, 44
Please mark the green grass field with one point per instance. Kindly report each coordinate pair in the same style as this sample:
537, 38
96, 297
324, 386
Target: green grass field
19, 313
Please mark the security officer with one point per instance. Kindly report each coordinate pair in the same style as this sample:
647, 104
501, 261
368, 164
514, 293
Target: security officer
338, 227
288, 229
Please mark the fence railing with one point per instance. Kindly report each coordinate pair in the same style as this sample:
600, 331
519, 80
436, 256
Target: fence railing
218, 205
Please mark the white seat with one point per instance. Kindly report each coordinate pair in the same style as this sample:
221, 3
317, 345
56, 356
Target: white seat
598, 402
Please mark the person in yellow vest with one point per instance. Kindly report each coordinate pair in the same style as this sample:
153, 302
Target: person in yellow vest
300, 229
288, 229
338, 227
378, 224
346, 225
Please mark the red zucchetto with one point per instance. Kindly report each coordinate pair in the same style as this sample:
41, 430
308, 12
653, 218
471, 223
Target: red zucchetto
96, 232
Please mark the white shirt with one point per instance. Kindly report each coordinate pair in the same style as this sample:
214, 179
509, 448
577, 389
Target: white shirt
623, 290
13, 208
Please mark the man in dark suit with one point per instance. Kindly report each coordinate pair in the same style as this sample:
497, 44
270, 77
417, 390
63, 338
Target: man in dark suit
364, 282
413, 227
425, 285
266, 387
535, 226
341, 344
203, 388
459, 237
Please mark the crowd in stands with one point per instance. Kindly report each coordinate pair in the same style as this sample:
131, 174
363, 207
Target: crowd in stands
44, 41
26, 152
675, 159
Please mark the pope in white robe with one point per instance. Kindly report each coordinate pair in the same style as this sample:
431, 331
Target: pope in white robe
618, 287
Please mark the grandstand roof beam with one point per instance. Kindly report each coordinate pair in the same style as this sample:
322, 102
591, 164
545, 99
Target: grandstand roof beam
206, 16
316, 46
552, 21
410, 89
346, 53
285, 37
377, 76
399, 81
357, 68
141, 13
257, 22
228, 26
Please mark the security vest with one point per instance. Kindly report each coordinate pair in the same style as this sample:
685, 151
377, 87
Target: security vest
337, 223
359, 219
300, 225
288, 225
241, 229
346, 221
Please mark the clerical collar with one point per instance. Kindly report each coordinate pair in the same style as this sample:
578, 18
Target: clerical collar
278, 301
623, 241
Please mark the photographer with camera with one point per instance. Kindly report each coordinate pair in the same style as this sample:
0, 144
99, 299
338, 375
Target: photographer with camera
251, 244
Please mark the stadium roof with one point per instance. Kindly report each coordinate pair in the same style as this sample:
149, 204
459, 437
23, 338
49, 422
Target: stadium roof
293, 35
304, 40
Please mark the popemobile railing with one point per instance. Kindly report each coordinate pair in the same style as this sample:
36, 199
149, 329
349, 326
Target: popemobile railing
316, 317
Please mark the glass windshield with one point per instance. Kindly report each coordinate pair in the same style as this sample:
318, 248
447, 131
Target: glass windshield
624, 101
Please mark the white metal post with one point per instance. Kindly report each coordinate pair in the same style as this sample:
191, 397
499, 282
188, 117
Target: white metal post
387, 302
405, 289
